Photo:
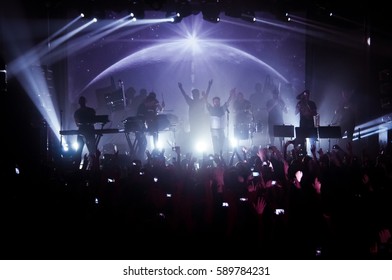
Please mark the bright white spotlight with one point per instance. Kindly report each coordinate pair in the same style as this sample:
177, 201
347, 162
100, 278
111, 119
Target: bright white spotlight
75, 145
200, 146
159, 145
65, 147
234, 142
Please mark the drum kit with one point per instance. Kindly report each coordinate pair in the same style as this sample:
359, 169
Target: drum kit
134, 124
245, 125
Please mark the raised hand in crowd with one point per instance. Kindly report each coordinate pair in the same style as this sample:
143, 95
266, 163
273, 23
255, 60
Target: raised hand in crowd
260, 205
252, 186
276, 152
320, 152
384, 235
317, 185
262, 154
381, 248
313, 151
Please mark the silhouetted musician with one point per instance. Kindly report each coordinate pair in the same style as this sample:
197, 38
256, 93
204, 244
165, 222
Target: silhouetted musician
84, 118
148, 111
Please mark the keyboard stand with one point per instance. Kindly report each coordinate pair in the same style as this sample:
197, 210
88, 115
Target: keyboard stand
135, 145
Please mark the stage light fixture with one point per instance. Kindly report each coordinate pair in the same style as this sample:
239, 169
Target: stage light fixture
179, 11
248, 15
97, 14
136, 8
174, 16
211, 12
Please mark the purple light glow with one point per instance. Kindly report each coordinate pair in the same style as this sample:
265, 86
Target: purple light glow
233, 53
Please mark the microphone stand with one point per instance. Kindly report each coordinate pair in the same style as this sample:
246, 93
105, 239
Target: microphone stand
121, 83
227, 125
61, 128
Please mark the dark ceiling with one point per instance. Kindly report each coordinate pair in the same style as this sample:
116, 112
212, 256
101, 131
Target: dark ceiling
369, 12
346, 9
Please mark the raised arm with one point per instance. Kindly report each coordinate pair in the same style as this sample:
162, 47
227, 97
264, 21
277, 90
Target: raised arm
182, 89
208, 88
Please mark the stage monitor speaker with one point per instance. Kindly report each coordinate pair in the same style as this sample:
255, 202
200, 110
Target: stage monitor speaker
283, 130
330, 132
306, 132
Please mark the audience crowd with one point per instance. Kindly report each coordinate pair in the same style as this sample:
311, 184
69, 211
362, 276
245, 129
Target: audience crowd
262, 203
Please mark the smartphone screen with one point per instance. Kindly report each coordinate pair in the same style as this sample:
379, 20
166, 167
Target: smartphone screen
279, 211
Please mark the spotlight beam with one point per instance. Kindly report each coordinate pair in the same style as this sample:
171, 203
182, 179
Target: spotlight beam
35, 55
58, 32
